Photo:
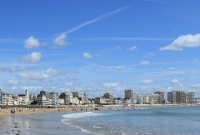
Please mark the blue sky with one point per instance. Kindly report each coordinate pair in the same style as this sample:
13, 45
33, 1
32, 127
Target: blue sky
100, 46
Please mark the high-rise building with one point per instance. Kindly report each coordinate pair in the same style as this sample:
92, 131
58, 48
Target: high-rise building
181, 97
130, 94
27, 96
171, 97
161, 98
191, 97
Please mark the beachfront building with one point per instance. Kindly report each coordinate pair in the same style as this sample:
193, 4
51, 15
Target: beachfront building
76, 101
131, 94
148, 98
100, 100
140, 99
22, 99
181, 97
191, 97
27, 100
33, 98
109, 98
161, 98
171, 97
103, 101
60, 101
53, 96
197, 100
1, 92
108, 95
7, 99
68, 97
118, 101
19, 100
43, 98
83, 97
127, 101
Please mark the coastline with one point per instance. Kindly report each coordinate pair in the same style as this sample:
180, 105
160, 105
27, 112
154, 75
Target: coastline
8, 123
30, 121
31, 111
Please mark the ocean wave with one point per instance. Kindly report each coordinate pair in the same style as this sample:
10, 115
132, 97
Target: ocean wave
96, 127
81, 115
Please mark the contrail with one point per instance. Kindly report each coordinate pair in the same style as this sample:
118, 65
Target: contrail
94, 20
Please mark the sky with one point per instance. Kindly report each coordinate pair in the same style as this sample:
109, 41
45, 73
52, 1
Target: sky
99, 46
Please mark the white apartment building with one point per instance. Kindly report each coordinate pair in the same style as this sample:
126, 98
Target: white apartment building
42, 100
147, 98
83, 97
7, 99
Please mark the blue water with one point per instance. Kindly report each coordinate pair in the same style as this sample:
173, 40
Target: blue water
159, 121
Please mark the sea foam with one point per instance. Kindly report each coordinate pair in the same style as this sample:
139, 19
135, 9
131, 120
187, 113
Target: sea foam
81, 115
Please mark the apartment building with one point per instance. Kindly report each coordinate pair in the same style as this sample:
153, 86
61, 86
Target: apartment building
161, 98
83, 97
131, 94
68, 97
171, 97
181, 97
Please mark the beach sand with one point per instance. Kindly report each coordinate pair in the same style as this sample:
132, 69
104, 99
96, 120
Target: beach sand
25, 122
38, 121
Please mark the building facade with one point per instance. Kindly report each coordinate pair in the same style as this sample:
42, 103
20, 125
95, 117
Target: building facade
131, 94
161, 98
83, 97
181, 97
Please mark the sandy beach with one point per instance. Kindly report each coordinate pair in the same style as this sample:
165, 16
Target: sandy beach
10, 122
23, 120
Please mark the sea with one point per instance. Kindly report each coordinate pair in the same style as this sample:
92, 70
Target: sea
155, 121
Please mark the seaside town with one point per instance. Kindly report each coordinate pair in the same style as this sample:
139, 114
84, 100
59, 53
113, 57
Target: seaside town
131, 98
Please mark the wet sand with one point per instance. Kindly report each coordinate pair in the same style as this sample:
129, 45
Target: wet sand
47, 121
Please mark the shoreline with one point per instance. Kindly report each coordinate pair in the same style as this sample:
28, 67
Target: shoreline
8, 123
28, 111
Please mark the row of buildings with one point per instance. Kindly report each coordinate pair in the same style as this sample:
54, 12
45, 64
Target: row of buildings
45, 98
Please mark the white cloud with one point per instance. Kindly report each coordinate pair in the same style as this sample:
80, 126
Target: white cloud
43, 75
31, 42
9, 69
12, 82
176, 81
132, 48
87, 55
60, 40
120, 67
144, 62
146, 81
183, 41
31, 58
